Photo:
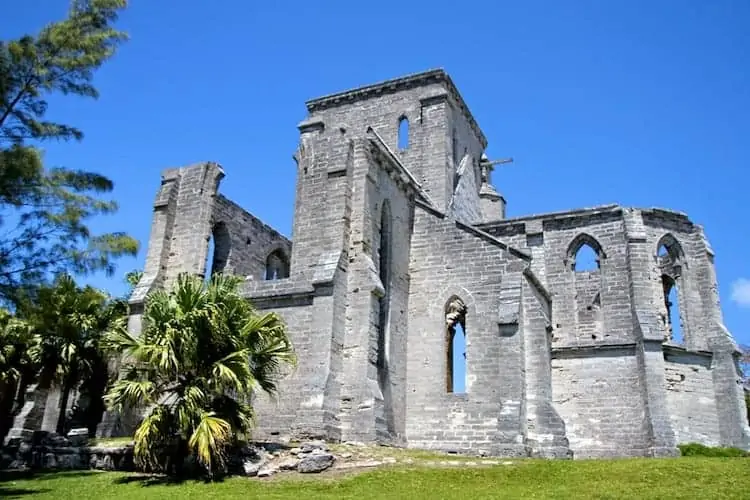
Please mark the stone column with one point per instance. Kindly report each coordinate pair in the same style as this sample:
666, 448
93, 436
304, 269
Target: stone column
649, 336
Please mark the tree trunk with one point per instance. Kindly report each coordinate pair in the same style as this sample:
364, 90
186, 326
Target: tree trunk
61, 419
7, 398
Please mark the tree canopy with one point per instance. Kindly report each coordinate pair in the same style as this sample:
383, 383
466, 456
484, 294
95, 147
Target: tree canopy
44, 211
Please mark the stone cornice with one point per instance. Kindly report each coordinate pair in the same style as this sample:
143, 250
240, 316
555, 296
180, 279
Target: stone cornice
395, 85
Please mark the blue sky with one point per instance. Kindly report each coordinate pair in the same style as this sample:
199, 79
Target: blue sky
635, 102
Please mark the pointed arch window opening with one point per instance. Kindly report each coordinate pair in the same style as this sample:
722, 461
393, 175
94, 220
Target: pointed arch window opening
670, 260
456, 362
586, 259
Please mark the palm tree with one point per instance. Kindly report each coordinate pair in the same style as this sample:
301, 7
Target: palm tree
70, 322
201, 355
18, 345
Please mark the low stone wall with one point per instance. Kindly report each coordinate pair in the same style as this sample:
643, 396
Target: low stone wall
43, 450
39, 450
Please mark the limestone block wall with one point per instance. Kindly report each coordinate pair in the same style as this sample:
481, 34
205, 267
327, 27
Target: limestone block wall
596, 382
300, 407
242, 242
465, 204
688, 258
691, 398
685, 245
558, 358
312, 300
375, 320
612, 380
599, 395
441, 128
448, 260
544, 428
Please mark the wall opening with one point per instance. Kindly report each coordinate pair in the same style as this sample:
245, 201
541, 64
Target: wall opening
670, 261
672, 304
209, 266
277, 265
219, 247
403, 132
459, 360
455, 320
586, 259
454, 146
585, 253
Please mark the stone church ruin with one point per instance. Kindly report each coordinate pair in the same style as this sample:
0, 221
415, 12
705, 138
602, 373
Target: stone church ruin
400, 243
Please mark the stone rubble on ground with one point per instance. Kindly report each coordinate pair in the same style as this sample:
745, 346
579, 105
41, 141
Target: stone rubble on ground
41, 450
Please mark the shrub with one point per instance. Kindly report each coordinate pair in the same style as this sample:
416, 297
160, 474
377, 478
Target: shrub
699, 450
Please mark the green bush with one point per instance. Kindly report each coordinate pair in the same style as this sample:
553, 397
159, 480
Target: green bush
699, 450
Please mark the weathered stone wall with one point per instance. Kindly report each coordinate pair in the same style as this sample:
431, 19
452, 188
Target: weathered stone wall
558, 358
608, 326
374, 370
545, 432
691, 398
465, 204
602, 407
598, 394
433, 107
242, 242
449, 259
691, 259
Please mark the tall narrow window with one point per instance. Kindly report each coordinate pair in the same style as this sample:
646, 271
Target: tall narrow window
672, 304
454, 145
670, 259
209, 266
455, 321
277, 266
219, 247
403, 132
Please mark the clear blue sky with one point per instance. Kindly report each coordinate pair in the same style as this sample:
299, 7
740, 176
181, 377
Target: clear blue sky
640, 103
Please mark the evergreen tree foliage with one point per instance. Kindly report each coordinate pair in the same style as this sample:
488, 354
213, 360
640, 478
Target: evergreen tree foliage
44, 211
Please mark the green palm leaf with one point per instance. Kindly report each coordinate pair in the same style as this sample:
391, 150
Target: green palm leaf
209, 440
205, 351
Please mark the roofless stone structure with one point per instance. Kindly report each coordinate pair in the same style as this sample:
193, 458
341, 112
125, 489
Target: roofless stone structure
400, 245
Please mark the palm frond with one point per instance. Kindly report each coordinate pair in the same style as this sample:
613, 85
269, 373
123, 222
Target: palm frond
152, 439
210, 439
232, 372
131, 393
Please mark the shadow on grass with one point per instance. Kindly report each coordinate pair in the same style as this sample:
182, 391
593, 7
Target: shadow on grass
161, 480
10, 493
23, 475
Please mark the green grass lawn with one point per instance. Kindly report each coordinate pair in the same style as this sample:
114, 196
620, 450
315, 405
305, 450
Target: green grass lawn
703, 478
